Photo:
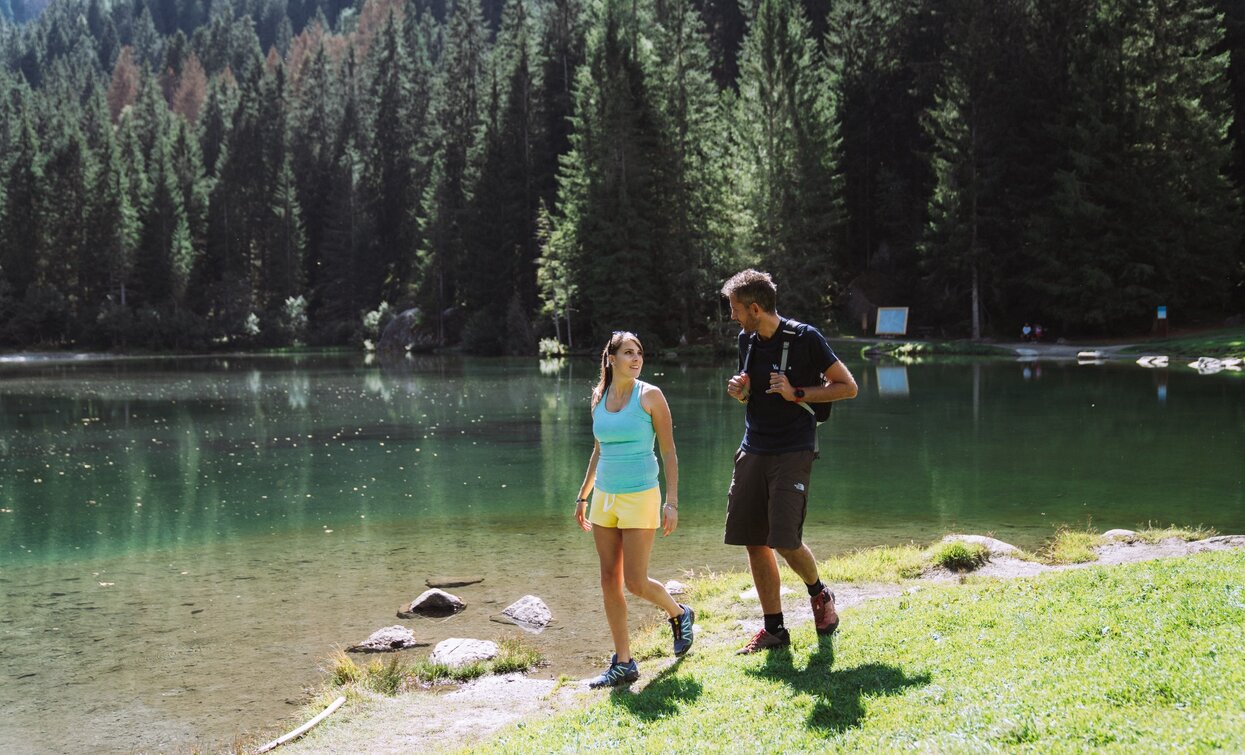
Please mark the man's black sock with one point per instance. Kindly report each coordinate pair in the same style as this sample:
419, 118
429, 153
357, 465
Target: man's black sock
815, 588
773, 622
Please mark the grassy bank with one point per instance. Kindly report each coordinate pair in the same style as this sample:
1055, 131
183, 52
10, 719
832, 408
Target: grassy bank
914, 350
1229, 342
1141, 656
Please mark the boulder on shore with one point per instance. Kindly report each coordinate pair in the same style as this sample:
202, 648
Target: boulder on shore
996, 547
529, 612
457, 652
433, 602
1118, 534
385, 640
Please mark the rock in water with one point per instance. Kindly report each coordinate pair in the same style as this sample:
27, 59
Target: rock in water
529, 612
456, 652
385, 640
432, 602
452, 581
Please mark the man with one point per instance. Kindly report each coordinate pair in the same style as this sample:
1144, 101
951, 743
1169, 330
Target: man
782, 365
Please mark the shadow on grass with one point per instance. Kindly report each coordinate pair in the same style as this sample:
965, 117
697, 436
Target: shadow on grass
661, 697
836, 693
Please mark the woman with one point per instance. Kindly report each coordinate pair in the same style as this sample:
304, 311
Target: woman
626, 500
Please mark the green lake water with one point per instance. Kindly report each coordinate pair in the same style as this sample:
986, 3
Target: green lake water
183, 542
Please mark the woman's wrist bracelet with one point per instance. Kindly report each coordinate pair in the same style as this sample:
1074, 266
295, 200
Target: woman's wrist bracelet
674, 506
581, 500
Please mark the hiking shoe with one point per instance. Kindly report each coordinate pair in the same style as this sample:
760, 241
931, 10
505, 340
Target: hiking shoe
825, 618
763, 640
681, 627
616, 674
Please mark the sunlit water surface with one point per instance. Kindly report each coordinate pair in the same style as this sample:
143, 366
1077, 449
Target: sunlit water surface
184, 542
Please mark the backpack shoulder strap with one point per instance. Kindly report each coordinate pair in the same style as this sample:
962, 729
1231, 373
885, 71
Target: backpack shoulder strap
789, 330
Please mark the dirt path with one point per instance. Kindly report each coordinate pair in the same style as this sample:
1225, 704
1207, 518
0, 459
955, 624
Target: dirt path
451, 720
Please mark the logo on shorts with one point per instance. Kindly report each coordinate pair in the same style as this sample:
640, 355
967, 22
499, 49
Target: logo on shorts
799, 486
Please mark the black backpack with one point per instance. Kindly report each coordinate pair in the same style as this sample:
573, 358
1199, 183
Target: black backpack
789, 331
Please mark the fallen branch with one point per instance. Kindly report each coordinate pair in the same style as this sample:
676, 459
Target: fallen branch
304, 728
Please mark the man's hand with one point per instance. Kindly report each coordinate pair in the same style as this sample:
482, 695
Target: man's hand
737, 387
778, 383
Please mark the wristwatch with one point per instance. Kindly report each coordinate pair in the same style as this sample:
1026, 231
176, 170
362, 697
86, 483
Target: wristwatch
799, 395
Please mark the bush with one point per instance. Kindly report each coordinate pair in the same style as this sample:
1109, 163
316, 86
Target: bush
960, 556
374, 322
550, 348
484, 335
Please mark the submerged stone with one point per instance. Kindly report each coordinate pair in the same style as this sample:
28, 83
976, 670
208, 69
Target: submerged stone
385, 640
433, 602
529, 612
452, 581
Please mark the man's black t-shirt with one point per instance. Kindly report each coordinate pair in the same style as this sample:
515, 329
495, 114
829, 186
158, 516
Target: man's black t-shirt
773, 425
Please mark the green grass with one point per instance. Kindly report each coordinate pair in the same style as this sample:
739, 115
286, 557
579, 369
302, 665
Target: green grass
389, 677
1071, 546
1152, 534
1142, 657
1228, 342
959, 556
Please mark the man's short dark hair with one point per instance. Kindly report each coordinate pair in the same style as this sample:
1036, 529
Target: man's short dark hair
752, 287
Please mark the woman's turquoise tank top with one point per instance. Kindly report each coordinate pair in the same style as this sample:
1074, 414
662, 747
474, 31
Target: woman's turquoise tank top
627, 463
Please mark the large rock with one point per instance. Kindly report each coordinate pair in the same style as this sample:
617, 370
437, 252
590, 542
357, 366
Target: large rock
385, 640
456, 652
402, 334
1118, 534
529, 612
432, 602
996, 547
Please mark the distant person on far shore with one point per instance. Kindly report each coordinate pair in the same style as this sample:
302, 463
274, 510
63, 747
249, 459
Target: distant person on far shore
1026, 333
1037, 332
626, 506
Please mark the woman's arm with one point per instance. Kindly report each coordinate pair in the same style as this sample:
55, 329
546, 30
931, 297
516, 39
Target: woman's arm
590, 479
654, 402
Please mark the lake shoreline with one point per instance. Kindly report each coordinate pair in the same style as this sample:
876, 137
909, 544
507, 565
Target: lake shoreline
478, 710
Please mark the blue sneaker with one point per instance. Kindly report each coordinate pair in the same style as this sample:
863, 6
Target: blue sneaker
681, 626
616, 674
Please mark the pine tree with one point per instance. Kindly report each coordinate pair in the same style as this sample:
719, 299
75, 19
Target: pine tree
973, 226
22, 232
877, 52
457, 121
701, 242
68, 174
613, 191
124, 88
112, 231
390, 179
314, 121
501, 235
785, 129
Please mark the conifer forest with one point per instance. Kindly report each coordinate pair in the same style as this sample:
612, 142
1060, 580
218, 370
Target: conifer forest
197, 174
